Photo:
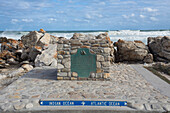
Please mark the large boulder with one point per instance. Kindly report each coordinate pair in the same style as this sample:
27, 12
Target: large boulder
160, 48
35, 38
131, 51
34, 52
47, 57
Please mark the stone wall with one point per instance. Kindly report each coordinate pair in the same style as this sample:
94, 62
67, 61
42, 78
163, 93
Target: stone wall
103, 48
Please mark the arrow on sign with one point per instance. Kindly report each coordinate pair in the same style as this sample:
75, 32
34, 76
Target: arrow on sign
83, 103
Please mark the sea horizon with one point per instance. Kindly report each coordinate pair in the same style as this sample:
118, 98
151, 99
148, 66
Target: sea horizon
129, 35
88, 30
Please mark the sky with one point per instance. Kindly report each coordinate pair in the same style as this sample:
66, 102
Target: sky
24, 15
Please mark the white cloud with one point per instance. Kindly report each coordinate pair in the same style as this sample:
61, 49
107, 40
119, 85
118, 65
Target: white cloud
59, 12
52, 19
102, 3
132, 14
27, 20
81, 20
148, 9
88, 16
153, 19
14, 21
142, 16
128, 16
125, 16
99, 15
24, 5
93, 15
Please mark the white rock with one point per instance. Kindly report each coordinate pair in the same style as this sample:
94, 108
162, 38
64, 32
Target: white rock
54, 63
47, 56
29, 105
27, 67
2, 76
60, 66
12, 61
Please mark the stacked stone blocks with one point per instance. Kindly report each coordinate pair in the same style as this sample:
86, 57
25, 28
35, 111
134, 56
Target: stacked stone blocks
101, 47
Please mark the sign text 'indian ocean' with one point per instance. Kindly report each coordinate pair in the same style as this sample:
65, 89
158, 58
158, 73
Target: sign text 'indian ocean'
82, 103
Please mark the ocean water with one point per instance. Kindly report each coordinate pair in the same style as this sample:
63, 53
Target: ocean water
129, 35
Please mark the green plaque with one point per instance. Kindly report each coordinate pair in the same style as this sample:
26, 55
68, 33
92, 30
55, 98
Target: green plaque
83, 62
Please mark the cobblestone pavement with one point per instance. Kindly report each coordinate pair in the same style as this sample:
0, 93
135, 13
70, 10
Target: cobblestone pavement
41, 83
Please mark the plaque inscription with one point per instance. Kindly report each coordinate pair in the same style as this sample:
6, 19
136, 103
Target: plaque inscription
83, 62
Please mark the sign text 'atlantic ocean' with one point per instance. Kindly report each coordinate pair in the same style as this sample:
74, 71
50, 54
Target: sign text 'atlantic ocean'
82, 103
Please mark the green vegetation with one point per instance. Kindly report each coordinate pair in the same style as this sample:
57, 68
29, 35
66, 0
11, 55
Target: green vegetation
163, 68
154, 71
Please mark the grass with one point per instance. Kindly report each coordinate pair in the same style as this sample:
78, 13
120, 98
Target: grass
154, 71
162, 68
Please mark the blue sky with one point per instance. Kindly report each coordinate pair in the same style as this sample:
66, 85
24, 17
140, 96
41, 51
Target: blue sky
84, 14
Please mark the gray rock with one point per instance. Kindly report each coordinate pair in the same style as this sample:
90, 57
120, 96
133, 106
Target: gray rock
33, 53
148, 58
67, 64
24, 56
131, 51
35, 38
47, 56
83, 36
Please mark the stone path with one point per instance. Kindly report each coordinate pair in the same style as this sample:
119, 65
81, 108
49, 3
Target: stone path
41, 83
158, 83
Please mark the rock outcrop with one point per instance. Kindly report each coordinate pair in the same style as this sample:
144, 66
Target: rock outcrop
160, 48
132, 51
35, 38
48, 57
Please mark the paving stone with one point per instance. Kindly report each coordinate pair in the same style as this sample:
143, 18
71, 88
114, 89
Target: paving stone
6, 106
24, 100
29, 105
167, 107
147, 107
125, 83
18, 106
